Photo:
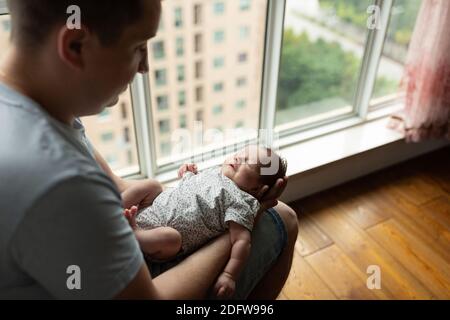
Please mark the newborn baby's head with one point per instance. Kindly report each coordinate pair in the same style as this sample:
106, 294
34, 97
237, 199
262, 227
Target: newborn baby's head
254, 167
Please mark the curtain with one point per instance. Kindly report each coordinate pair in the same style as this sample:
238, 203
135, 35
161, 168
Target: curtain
426, 80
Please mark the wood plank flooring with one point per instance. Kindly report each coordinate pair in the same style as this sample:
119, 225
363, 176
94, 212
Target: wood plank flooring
397, 219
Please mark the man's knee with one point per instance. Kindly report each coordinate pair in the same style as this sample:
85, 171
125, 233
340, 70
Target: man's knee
290, 220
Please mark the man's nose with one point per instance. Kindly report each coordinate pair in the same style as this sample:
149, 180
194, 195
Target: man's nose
143, 65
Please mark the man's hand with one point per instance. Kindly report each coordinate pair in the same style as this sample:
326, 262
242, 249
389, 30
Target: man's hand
225, 286
269, 198
187, 168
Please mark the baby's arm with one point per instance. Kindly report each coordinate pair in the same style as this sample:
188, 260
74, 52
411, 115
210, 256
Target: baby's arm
141, 193
241, 245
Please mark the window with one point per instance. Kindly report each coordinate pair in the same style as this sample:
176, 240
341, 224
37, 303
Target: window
219, 36
219, 62
120, 124
198, 14
166, 149
199, 94
401, 26
126, 135
183, 121
178, 17
244, 4
320, 65
182, 98
218, 87
107, 137
161, 77
241, 82
163, 103
112, 161
242, 57
219, 8
164, 126
244, 32
241, 104
179, 46
240, 124
6, 24
5, 29
181, 73
218, 110
105, 115
123, 108
199, 116
158, 50
198, 69
198, 43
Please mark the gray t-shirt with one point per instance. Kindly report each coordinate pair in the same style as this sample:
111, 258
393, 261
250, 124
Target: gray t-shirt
58, 209
200, 208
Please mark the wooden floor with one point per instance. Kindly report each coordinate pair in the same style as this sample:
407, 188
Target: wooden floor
397, 219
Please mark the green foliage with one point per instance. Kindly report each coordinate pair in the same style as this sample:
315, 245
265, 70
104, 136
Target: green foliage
313, 71
355, 12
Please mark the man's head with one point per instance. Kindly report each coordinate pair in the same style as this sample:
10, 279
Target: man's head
254, 167
96, 62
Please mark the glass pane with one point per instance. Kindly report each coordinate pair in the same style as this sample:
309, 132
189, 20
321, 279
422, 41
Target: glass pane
113, 135
5, 28
401, 26
211, 71
322, 51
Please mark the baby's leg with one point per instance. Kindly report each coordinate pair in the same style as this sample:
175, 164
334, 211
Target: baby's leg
160, 243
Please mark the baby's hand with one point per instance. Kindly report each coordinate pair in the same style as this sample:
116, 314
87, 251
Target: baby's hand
130, 214
225, 286
185, 168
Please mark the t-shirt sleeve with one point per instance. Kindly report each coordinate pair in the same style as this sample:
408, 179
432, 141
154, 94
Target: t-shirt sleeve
78, 223
241, 208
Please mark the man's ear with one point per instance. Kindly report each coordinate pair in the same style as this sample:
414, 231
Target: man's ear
71, 44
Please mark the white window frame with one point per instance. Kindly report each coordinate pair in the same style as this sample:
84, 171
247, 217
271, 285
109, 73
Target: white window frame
272, 57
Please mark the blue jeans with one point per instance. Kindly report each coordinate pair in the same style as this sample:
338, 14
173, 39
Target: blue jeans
269, 238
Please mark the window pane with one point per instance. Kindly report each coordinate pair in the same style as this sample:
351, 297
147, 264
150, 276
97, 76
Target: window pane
113, 134
401, 26
321, 59
5, 28
209, 81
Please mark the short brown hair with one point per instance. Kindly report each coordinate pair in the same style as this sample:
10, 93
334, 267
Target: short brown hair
33, 20
270, 179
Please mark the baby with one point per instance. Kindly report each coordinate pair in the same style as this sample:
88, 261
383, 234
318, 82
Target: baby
206, 204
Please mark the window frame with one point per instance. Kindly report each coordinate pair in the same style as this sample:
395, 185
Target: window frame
273, 43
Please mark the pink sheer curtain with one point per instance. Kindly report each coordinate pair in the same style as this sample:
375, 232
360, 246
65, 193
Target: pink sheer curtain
427, 76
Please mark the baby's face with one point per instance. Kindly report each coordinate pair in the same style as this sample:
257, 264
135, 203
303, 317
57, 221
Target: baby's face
243, 169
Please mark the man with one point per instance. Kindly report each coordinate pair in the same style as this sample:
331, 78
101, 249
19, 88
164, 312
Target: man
61, 213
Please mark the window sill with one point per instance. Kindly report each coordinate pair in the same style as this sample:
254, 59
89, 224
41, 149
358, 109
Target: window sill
337, 156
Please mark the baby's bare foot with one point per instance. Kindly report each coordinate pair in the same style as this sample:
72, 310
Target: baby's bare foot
130, 214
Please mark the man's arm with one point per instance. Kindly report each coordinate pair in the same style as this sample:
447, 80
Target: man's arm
203, 267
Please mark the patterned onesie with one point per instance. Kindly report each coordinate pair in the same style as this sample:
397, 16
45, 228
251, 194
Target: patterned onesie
199, 208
